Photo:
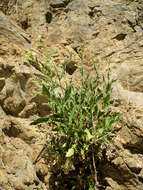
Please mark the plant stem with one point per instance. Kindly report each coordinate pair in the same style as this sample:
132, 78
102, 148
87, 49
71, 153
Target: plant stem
103, 136
37, 158
95, 171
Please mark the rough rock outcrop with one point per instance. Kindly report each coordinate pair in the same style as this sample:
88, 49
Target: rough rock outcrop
112, 33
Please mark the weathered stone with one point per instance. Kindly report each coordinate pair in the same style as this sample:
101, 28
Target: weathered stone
112, 32
14, 107
11, 32
2, 83
135, 166
58, 3
17, 157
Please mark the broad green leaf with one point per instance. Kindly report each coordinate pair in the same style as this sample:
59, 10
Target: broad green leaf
64, 145
89, 136
82, 152
73, 187
70, 152
101, 130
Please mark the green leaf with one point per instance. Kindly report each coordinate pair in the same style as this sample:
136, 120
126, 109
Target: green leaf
108, 121
70, 152
82, 152
85, 147
73, 187
40, 121
68, 92
64, 145
101, 130
89, 136
46, 91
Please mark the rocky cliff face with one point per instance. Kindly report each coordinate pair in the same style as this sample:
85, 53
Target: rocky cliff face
111, 32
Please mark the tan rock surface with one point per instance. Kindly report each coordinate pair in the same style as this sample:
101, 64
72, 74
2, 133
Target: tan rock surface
112, 32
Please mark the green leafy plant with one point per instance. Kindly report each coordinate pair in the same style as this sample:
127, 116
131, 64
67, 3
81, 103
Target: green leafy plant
81, 118
31, 57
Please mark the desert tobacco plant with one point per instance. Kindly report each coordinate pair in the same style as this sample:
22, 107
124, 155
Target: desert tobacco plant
81, 118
